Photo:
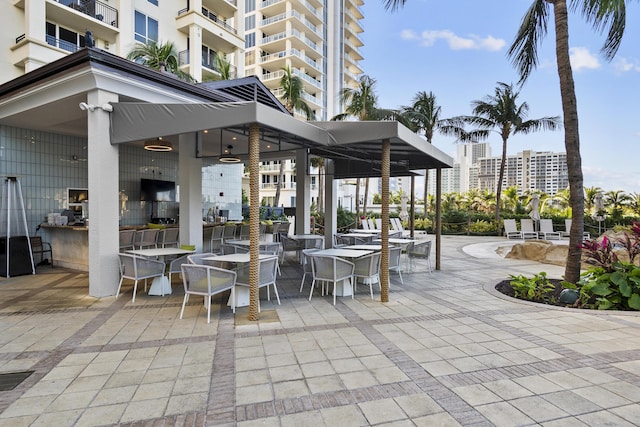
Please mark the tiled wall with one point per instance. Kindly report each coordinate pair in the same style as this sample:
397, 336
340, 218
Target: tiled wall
48, 164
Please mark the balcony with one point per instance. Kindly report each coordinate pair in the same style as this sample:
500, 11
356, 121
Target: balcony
95, 9
209, 63
211, 23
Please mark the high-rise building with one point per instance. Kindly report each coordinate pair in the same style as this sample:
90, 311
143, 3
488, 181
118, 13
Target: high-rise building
318, 41
464, 174
38, 32
528, 170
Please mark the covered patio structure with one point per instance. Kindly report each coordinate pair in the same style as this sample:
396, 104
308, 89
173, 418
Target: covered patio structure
125, 103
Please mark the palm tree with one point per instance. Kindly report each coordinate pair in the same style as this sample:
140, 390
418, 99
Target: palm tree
292, 98
616, 201
602, 14
590, 194
502, 114
160, 57
361, 103
423, 115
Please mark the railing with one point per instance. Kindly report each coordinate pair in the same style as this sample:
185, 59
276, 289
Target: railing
308, 79
311, 9
62, 44
213, 17
208, 61
95, 9
292, 52
269, 3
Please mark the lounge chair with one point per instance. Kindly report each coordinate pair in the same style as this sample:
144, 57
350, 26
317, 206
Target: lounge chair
546, 230
511, 229
527, 229
567, 230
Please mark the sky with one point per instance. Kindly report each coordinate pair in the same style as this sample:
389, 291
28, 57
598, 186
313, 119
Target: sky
457, 49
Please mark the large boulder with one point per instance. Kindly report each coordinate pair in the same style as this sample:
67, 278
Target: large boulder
540, 251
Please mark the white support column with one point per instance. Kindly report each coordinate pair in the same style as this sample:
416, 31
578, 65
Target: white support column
195, 51
103, 182
303, 193
190, 180
330, 204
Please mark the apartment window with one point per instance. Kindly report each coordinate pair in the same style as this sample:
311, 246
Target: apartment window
249, 40
153, 2
266, 179
146, 28
250, 22
209, 57
63, 38
249, 6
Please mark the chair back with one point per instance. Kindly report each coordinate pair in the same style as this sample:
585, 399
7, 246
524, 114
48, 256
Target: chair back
420, 250
270, 248
288, 244
126, 239
170, 237
379, 223
268, 271
526, 225
368, 265
227, 248
316, 243
206, 280
147, 238
198, 259
394, 257
567, 225
372, 226
306, 260
245, 232
136, 267
331, 268
546, 226
510, 226
365, 224
229, 232
217, 238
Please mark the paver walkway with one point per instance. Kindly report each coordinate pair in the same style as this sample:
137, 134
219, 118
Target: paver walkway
446, 350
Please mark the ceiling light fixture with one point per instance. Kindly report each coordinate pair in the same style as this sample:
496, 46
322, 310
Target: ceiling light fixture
227, 157
158, 144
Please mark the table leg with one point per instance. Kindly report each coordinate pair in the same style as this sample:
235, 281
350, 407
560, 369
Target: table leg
160, 286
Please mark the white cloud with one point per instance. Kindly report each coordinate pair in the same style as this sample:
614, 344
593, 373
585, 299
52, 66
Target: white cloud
610, 180
581, 59
623, 65
455, 42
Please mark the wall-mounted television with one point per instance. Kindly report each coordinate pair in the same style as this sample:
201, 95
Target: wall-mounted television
154, 190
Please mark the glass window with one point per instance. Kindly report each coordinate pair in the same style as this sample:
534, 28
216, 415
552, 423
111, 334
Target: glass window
154, 2
68, 39
146, 29
250, 40
249, 6
250, 22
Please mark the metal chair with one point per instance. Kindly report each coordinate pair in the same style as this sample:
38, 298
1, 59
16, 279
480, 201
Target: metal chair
207, 233
198, 259
395, 264
229, 232
207, 281
367, 268
127, 238
420, 250
169, 238
306, 264
39, 247
147, 238
289, 245
137, 268
245, 232
217, 238
267, 272
330, 269
175, 265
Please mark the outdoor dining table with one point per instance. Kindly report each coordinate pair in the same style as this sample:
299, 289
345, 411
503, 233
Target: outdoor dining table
363, 231
346, 287
241, 292
160, 285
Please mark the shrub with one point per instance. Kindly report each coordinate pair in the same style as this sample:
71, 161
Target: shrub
538, 288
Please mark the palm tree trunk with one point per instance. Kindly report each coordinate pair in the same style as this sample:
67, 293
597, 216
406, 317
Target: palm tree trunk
503, 161
276, 199
571, 140
366, 194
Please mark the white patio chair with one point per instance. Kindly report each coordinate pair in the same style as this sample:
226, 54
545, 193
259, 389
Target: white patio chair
546, 230
528, 230
216, 239
420, 250
365, 224
378, 223
207, 281
511, 229
306, 265
267, 272
136, 268
207, 232
367, 268
395, 264
229, 232
289, 245
330, 269
372, 225
198, 259
175, 265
